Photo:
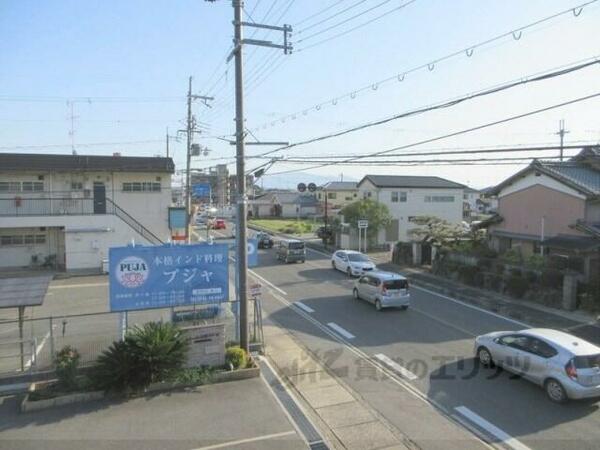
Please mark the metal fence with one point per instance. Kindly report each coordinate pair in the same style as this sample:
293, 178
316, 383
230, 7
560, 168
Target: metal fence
91, 334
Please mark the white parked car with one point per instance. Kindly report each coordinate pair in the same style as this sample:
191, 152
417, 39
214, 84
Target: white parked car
351, 262
566, 366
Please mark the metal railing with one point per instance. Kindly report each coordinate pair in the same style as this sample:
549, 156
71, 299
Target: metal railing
91, 334
55, 206
61, 206
132, 222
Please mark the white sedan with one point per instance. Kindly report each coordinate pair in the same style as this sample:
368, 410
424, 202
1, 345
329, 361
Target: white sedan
351, 262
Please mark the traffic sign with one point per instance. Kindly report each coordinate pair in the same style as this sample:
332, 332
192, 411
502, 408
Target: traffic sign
363, 223
312, 187
255, 290
301, 187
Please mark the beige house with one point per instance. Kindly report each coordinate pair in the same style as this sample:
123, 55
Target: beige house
551, 208
338, 194
66, 211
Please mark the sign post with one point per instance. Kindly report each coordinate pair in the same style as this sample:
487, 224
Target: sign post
363, 225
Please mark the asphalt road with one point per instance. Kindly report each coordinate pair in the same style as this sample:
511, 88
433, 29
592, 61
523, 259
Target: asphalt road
432, 346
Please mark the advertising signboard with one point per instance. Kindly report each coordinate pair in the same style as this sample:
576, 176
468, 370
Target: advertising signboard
165, 276
201, 190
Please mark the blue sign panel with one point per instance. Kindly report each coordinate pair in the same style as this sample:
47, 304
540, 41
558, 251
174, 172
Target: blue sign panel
252, 252
176, 218
164, 276
201, 190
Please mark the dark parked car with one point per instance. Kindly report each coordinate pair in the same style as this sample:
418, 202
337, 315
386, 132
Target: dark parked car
264, 240
324, 232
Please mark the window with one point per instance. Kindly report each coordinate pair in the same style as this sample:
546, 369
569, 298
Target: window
141, 187
32, 186
540, 348
394, 197
27, 239
76, 186
331, 195
465, 196
348, 198
25, 186
367, 194
517, 341
439, 198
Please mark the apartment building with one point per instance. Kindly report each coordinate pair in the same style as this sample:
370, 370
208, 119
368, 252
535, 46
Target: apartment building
66, 211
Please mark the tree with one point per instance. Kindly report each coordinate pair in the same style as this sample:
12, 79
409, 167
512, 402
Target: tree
376, 213
435, 230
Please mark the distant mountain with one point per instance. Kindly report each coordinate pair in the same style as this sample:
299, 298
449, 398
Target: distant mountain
291, 180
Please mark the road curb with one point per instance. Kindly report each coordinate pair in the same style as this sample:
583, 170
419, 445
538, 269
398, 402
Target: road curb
335, 433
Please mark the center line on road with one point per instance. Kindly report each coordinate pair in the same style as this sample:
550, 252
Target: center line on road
340, 330
301, 305
492, 429
393, 365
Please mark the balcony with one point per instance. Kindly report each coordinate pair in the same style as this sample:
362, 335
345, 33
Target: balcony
56, 206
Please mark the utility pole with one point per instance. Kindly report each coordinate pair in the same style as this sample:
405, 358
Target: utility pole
241, 234
241, 241
561, 133
190, 130
188, 160
167, 137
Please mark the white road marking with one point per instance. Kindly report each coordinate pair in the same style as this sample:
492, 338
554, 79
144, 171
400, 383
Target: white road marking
477, 308
245, 441
378, 366
318, 252
281, 291
492, 429
340, 330
396, 367
72, 286
301, 305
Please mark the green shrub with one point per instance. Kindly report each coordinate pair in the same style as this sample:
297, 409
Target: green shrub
236, 356
536, 262
552, 278
471, 275
517, 286
495, 282
512, 256
193, 375
66, 362
500, 268
147, 355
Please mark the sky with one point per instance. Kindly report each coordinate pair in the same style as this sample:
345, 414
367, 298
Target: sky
121, 69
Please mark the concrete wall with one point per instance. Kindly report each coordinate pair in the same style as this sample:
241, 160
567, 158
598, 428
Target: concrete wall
86, 239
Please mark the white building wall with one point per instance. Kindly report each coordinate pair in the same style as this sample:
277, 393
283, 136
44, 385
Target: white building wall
415, 205
86, 239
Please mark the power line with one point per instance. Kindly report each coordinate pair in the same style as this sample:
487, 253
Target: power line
454, 134
318, 13
364, 24
477, 151
326, 19
447, 104
468, 51
436, 161
91, 144
349, 19
90, 99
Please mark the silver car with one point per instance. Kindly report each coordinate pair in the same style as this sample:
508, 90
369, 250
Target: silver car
566, 366
383, 289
